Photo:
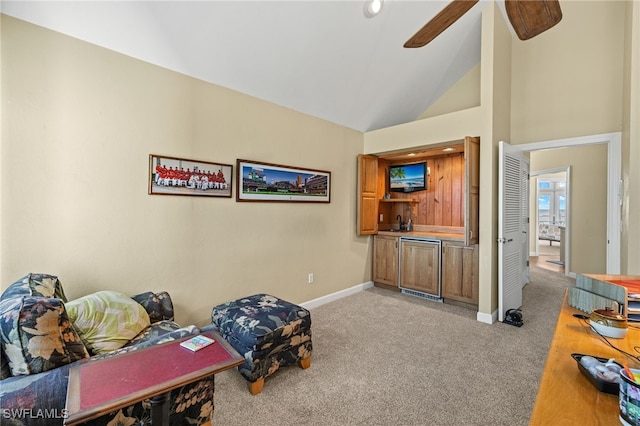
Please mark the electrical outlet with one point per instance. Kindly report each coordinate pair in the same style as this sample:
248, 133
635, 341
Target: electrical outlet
381, 217
310, 278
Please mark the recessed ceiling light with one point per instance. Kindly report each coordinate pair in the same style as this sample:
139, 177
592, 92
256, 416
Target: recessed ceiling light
412, 154
449, 149
372, 8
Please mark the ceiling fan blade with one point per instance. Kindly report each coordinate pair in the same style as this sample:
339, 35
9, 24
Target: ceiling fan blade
532, 17
443, 20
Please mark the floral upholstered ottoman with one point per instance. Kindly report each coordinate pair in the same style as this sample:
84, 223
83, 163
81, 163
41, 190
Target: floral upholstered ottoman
268, 331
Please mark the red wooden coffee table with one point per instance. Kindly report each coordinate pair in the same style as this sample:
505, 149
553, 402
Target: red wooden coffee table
99, 387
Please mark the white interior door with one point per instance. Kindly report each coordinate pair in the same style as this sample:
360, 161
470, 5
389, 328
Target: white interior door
513, 227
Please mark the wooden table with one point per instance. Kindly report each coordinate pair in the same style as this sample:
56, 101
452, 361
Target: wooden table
565, 395
98, 387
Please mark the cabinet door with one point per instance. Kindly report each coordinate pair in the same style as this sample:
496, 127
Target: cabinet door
420, 267
472, 189
385, 260
460, 272
367, 195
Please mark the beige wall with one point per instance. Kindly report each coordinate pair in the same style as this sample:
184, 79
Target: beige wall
569, 82
631, 143
464, 94
588, 245
78, 125
585, 79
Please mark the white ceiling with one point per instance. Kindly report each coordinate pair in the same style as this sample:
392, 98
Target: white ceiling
323, 58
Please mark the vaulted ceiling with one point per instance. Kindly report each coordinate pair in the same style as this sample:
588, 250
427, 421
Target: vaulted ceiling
322, 58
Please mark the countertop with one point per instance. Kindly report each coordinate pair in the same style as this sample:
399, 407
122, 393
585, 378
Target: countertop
448, 236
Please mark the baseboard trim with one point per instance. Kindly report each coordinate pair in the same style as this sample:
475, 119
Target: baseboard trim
337, 295
487, 318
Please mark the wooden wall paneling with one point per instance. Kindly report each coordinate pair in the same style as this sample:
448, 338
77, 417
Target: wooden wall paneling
447, 195
396, 210
442, 204
437, 192
457, 190
385, 211
420, 210
426, 202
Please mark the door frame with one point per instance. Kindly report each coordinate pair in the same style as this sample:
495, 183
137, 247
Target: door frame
614, 188
567, 247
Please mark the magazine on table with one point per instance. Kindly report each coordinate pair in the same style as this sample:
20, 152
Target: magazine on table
197, 342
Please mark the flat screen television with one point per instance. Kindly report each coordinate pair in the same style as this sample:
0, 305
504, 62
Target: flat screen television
408, 177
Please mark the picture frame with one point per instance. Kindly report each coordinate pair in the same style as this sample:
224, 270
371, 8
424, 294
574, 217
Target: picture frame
182, 176
258, 181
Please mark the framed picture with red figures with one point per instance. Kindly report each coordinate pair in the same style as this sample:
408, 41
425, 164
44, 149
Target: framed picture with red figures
181, 176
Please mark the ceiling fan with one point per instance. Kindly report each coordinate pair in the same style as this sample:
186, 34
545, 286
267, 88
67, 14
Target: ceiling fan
528, 18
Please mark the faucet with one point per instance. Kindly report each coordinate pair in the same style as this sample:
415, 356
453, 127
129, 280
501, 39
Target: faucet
399, 217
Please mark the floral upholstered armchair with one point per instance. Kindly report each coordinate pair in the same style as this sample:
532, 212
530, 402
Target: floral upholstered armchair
549, 232
42, 334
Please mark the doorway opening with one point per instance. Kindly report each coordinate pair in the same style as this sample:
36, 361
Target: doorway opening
549, 218
513, 268
614, 194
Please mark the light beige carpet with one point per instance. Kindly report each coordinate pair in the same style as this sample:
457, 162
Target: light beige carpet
384, 358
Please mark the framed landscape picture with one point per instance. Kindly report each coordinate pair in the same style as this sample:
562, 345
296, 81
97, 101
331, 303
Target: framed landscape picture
259, 181
181, 176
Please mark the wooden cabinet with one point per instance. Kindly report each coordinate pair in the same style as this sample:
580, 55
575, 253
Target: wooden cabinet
460, 272
385, 260
367, 195
420, 266
449, 204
